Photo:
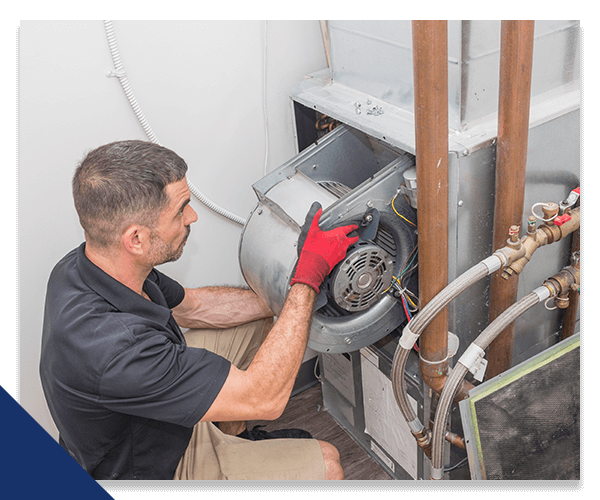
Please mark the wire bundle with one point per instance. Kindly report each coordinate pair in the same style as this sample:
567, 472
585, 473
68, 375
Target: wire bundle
407, 297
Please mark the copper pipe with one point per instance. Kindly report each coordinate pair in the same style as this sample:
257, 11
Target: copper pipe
430, 65
516, 58
437, 384
455, 440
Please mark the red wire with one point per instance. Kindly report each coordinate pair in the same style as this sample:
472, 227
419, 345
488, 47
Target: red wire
408, 317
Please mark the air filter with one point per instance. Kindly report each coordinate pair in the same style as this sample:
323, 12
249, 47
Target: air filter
524, 423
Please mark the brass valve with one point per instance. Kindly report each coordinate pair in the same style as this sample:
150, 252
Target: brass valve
550, 211
563, 282
518, 251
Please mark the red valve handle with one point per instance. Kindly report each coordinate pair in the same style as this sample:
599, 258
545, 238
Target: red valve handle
561, 219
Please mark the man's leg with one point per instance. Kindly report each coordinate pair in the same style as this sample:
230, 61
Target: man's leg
232, 428
239, 458
333, 467
235, 428
238, 345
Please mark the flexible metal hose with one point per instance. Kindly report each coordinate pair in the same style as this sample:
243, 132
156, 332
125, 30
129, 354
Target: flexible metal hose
461, 369
416, 326
399, 387
451, 386
447, 295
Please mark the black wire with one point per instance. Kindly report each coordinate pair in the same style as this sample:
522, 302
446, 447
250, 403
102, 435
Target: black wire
462, 463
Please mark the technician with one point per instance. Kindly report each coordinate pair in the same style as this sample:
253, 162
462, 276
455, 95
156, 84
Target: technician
133, 397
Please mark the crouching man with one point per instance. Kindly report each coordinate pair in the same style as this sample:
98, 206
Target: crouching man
131, 395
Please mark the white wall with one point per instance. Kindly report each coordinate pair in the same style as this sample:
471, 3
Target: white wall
200, 84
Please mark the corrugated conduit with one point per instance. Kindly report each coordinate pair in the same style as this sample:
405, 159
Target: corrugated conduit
120, 73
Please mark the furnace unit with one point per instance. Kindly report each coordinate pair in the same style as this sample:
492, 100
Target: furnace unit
362, 171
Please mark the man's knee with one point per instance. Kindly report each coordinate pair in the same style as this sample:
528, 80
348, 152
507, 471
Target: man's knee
333, 467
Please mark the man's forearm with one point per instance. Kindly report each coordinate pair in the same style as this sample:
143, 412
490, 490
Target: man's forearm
220, 307
263, 389
280, 356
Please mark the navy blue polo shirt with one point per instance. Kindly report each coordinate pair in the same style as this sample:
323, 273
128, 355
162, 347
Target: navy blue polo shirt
123, 388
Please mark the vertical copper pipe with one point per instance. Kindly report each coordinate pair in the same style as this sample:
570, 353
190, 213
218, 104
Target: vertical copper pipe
430, 65
516, 58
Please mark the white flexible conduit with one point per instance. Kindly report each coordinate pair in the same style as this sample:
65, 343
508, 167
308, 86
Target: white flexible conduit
120, 73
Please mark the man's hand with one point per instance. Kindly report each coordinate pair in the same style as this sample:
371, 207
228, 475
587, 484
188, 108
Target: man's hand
319, 251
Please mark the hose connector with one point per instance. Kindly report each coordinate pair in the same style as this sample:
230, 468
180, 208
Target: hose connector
423, 438
562, 282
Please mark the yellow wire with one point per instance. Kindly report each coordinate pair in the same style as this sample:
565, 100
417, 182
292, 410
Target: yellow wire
400, 215
392, 283
394, 280
410, 300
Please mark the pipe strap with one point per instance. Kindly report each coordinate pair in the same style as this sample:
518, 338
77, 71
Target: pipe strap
471, 357
543, 292
437, 473
408, 339
415, 426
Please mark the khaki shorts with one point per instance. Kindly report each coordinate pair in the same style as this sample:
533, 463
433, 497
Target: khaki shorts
213, 455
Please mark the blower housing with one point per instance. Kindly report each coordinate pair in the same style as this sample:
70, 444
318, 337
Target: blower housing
355, 178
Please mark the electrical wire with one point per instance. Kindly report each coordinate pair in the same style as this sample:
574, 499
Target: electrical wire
400, 289
460, 464
406, 311
398, 213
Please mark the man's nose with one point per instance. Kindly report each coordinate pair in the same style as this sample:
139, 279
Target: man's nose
191, 215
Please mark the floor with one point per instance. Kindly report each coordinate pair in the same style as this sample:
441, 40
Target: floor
305, 411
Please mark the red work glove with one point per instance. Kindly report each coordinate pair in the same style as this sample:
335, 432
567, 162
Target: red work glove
319, 251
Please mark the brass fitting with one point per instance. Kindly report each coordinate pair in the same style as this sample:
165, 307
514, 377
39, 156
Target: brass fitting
518, 254
423, 438
550, 211
529, 244
513, 236
531, 225
562, 282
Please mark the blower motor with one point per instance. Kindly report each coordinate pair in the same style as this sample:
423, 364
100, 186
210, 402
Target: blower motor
356, 305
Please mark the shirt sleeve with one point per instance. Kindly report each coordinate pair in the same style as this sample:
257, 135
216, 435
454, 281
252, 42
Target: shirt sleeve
171, 289
158, 379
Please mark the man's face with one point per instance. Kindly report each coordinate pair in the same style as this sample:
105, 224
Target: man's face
173, 228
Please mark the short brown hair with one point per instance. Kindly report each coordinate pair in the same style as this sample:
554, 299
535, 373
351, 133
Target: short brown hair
123, 183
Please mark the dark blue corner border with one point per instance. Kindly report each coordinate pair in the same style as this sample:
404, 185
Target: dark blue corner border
35, 464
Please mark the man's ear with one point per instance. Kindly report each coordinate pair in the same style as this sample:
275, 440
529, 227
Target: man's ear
136, 238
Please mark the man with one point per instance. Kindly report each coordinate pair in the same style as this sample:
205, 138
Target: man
132, 397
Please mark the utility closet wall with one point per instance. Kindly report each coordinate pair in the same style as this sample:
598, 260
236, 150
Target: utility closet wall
201, 86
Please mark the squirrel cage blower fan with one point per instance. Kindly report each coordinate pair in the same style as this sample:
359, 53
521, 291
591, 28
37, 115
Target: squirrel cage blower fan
356, 179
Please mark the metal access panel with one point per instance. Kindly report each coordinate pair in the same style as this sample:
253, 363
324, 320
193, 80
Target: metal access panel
357, 392
525, 423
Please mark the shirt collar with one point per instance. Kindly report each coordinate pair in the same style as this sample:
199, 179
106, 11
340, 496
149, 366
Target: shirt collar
120, 296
